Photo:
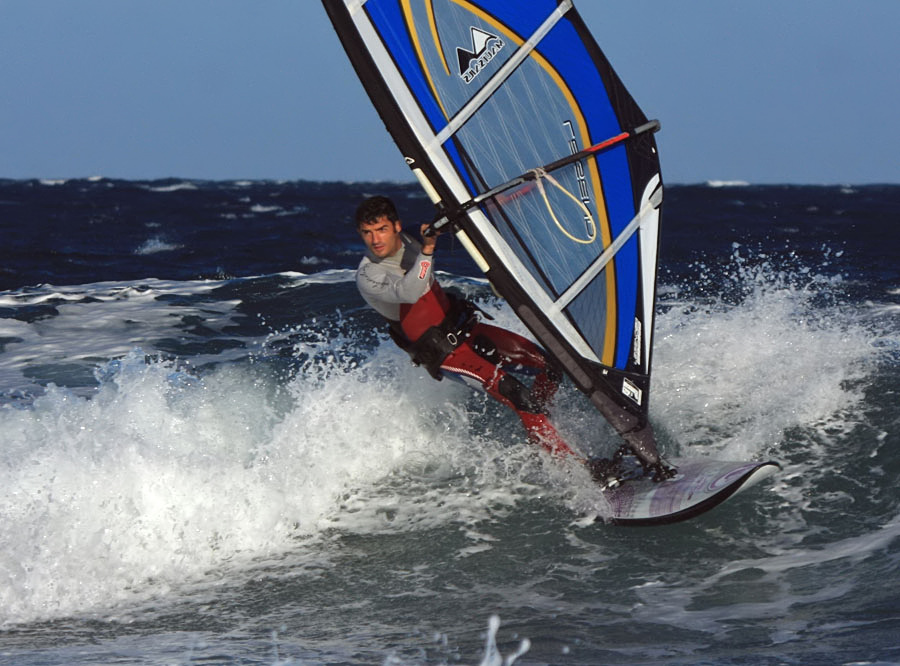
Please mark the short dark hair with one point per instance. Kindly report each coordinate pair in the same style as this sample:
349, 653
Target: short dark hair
373, 208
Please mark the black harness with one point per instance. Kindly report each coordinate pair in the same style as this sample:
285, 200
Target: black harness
438, 342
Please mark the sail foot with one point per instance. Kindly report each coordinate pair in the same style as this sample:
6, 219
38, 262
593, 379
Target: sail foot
637, 433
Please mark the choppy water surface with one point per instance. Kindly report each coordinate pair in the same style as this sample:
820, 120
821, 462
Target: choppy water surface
212, 454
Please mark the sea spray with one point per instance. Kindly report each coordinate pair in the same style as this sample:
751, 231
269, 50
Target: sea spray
726, 356
492, 655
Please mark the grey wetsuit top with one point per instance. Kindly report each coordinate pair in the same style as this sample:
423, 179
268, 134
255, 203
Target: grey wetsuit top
403, 277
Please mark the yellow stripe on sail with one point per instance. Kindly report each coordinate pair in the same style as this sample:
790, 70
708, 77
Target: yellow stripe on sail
609, 338
429, 5
417, 44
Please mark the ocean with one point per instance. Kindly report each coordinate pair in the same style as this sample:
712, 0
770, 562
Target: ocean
212, 453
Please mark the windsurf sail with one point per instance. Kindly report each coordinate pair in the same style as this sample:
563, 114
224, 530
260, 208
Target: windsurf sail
519, 130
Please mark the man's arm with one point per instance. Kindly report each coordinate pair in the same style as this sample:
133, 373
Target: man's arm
428, 242
377, 284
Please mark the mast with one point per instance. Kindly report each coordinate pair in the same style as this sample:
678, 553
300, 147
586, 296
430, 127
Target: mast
518, 128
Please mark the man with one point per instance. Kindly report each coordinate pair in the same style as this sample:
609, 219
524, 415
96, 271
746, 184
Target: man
443, 333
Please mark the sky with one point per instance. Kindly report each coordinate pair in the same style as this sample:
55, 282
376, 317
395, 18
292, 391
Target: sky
762, 91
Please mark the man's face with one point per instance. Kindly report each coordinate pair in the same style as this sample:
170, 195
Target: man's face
381, 236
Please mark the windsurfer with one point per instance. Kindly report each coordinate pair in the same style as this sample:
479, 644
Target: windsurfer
443, 333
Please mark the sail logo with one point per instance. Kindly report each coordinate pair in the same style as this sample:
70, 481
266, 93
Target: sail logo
584, 192
631, 390
484, 47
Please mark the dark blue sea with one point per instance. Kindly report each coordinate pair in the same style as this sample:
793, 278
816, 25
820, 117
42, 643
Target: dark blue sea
210, 452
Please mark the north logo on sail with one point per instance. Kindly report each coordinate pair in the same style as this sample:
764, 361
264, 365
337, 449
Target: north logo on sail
484, 47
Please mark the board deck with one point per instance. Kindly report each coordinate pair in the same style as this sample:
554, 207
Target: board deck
699, 486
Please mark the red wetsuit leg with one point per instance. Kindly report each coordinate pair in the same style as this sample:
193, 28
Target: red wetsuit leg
512, 345
464, 361
515, 349
542, 432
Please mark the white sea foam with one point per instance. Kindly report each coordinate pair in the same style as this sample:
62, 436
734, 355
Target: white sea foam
727, 183
176, 187
492, 654
101, 496
259, 208
730, 379
155, 246
162, 476
165, 477
102, 321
